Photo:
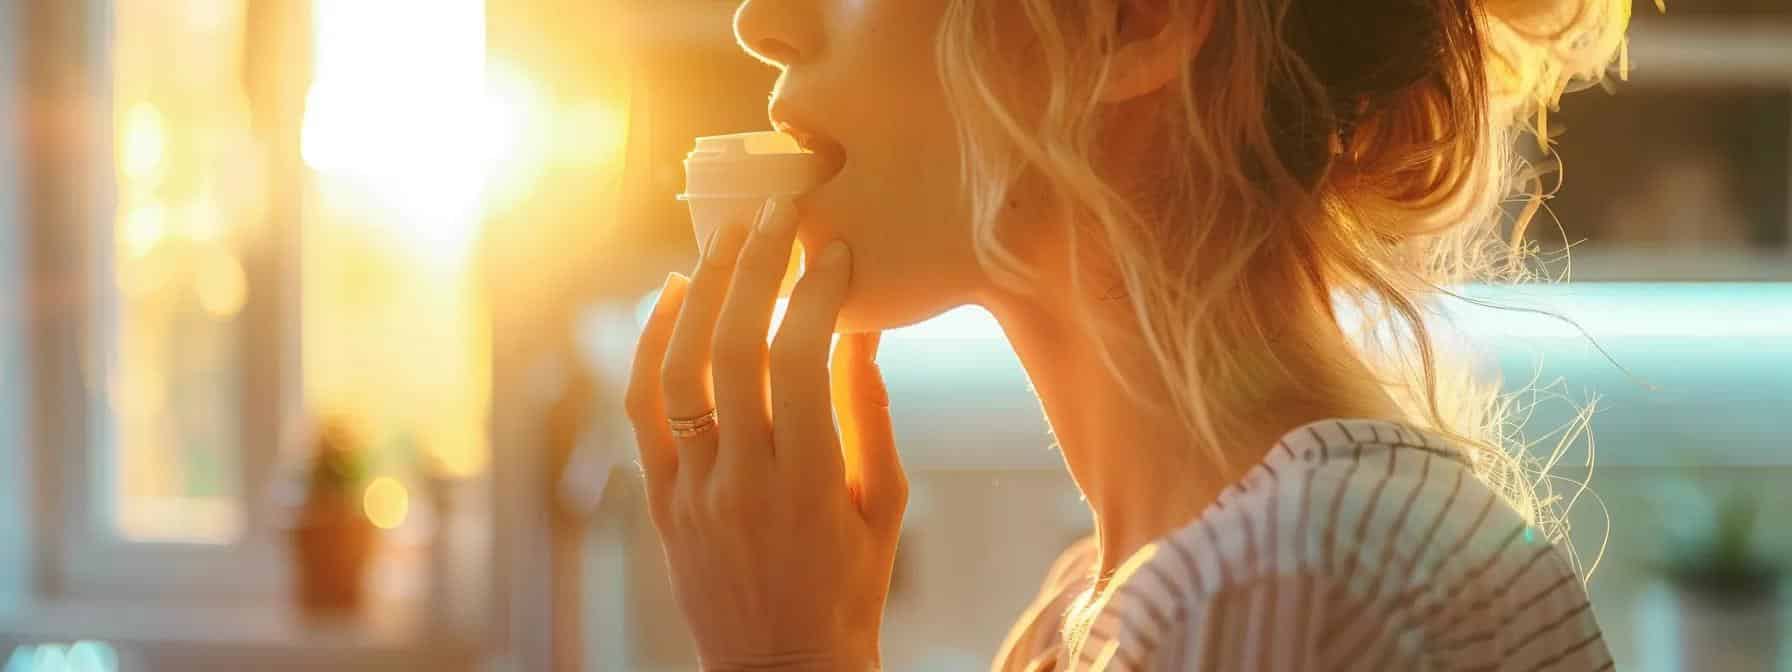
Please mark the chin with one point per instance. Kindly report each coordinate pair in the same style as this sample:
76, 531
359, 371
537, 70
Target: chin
870, 307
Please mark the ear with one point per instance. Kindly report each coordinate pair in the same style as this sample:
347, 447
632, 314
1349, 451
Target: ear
1149, 52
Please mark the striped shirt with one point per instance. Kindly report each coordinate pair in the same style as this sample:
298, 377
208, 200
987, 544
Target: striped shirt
1354, 545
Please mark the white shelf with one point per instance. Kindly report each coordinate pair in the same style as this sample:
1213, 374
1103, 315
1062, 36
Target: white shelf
1673, 50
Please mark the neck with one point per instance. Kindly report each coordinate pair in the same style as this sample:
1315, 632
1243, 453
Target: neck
1142, 473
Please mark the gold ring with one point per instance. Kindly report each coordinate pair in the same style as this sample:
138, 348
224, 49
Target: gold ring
685, 428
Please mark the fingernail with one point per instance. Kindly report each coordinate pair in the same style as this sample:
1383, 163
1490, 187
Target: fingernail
834, 255
709, 246
775, 213
766, 212
722, 243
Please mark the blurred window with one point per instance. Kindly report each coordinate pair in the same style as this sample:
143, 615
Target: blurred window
168, 370
188, 179
1684, 171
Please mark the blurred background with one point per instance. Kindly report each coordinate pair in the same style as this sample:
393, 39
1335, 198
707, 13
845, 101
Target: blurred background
314, 313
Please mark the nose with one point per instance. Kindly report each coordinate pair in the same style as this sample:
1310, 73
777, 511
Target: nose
780, 32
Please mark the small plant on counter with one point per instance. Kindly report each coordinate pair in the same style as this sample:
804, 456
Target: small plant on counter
1718, 554
332, 538
338, 467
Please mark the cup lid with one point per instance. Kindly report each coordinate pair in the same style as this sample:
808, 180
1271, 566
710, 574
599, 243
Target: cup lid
738, 144
750, 165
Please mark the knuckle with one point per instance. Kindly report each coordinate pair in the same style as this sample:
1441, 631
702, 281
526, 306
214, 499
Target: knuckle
678, 372
789, 353
639, 407
762, 258
684, 512
739, 350
725, 503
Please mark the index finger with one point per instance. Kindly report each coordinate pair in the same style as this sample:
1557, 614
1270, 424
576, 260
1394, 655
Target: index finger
645, 399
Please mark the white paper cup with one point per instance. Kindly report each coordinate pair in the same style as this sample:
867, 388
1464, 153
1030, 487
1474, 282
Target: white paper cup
728, 178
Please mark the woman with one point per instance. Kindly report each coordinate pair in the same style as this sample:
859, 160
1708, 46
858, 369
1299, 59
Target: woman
1161, 202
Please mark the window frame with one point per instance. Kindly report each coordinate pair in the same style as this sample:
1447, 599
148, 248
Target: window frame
75, 348
202, 604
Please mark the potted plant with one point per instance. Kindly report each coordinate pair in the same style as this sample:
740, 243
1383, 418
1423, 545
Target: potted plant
332, 538
1716, 601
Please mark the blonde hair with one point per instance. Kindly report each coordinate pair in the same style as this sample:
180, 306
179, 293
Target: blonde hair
1313, 152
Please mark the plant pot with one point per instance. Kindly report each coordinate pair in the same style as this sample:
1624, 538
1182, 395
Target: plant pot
331, 551
1680, 629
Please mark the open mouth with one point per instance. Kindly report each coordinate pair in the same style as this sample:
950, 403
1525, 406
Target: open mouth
815, 142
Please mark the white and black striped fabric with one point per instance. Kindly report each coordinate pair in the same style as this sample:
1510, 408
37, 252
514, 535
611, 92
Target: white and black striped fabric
1354, 545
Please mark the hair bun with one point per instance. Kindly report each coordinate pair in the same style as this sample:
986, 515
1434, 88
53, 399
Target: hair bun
1538, 50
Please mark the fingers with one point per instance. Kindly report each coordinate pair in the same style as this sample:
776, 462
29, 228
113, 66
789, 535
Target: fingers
873, 466
689, 391
646, 406
741, 376
804, 430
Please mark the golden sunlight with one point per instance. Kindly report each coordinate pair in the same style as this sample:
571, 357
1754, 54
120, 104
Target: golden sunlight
144, 227
513, 135
386, 502
220, 282
394, 123
203, 221
432, 133
592, 132
410, 150
144, 140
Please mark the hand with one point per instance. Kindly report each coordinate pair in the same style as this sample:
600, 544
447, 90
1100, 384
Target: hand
779, 532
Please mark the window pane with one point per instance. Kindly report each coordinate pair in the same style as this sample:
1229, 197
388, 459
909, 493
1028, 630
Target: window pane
187, 173
1681, 168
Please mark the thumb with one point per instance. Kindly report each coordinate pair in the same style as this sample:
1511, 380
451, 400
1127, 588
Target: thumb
868, 443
